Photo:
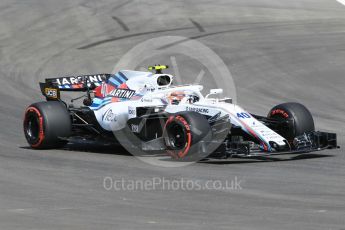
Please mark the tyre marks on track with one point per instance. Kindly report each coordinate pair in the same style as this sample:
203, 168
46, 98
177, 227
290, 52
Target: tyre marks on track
121, 23
197, 25
111, 39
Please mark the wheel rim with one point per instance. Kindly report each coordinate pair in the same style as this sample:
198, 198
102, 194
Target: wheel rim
286, 132
32, 128
177, 136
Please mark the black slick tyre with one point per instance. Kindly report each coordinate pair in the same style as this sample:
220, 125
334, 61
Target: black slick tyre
298, 116
47, 125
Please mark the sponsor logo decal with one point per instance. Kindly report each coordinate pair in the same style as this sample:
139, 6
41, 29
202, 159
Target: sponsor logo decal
122, 93
243, 115
79, 79
281, 112
198, 110
51, 93
135, 128
131, 111
109, 116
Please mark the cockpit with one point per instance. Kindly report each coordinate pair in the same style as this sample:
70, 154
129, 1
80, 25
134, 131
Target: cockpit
182, 97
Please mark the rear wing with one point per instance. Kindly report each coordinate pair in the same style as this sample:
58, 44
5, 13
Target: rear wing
52, 86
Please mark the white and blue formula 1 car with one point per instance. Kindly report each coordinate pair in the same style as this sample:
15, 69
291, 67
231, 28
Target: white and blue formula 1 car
144, 112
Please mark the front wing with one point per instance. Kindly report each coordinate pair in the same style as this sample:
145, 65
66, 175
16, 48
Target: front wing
308, 142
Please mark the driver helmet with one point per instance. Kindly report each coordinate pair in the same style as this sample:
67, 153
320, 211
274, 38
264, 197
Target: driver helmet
176, 97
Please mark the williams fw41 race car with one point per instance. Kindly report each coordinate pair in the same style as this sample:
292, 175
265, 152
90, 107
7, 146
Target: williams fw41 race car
145, 113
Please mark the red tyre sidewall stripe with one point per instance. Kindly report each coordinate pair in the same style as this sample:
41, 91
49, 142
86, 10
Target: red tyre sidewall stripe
280, 112
41, 131
184, 152
170, 153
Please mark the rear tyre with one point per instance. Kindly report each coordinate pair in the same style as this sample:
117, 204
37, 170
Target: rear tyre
299, 117
184, 133
47, 125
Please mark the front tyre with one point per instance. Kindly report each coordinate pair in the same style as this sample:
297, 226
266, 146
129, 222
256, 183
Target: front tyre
185, 134
47, 125
298, 117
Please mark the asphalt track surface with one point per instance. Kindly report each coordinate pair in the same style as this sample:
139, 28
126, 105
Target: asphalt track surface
277, 51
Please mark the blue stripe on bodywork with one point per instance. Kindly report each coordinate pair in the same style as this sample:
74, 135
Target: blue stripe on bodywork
118, 78
115, 82
97, 102
124, 78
